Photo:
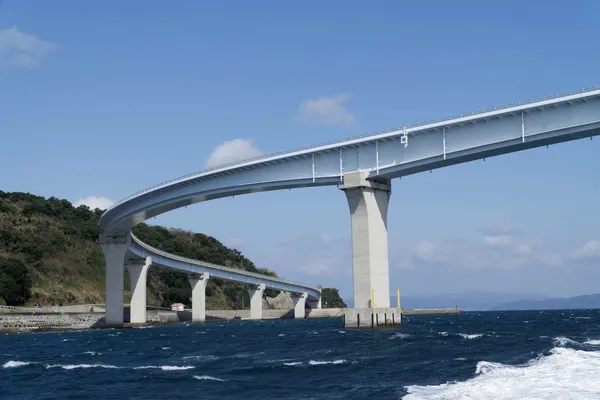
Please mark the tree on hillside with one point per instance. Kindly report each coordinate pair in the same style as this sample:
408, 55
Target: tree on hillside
15, 284
330, 298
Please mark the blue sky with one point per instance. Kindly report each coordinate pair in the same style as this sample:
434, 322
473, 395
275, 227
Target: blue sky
104, 99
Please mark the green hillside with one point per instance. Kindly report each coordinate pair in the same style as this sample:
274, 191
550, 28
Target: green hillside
49, 255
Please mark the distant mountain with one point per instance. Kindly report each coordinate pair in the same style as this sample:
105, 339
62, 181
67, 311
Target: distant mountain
475, 300
585, 301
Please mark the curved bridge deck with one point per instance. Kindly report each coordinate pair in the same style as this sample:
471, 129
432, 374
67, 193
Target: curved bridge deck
363, 166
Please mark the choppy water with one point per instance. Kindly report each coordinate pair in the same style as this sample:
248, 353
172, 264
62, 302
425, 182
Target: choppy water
503, 355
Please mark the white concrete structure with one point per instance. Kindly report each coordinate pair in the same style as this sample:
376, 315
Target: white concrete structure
368, 202
256, 295
138, 272
378, 158
198, 283
299, 300
114, 252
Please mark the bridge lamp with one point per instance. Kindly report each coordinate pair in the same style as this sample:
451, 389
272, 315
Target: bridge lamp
404, 138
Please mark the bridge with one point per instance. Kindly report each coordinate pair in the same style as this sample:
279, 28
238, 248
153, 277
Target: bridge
362, 167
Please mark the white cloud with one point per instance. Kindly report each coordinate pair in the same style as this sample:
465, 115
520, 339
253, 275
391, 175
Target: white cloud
326, 111
94, 202
430, 252
232, 151
500, 241
18, 49
589, 251
317, 268
523, 250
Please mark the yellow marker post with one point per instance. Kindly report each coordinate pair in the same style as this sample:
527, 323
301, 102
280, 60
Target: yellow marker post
398, 294
373, 298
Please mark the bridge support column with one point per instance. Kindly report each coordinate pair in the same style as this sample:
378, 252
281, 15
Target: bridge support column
256, 295
198, 283
114, 249
299, 300
315, 304
138, 272
368, 202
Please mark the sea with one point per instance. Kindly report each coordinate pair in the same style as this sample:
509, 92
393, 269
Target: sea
474, 355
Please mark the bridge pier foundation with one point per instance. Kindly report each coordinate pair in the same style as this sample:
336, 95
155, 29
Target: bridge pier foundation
299, 300
138, 272
198, 283
368, 202
114, 249
256, 295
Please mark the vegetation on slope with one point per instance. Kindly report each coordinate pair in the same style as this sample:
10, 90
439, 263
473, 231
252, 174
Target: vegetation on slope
49, 255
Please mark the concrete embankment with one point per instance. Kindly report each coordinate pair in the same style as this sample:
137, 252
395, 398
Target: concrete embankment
15, 321
74, 319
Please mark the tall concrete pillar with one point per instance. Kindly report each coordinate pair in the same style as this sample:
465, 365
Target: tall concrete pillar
256, 295
198, 283
368, 202
315, 304
138, 272
114, 249
299, 300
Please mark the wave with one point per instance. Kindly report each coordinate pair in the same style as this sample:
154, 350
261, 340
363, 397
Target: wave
92, 353
289, 364
167, 367
15, 364
593, 342
564, 341
77, 366
471, 336
399, 335
208, 378
564, 373
335, 362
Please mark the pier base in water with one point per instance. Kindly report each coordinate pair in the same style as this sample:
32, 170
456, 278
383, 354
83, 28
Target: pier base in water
368, 318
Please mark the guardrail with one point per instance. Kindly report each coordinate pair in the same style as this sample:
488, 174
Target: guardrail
50, 309
364, 135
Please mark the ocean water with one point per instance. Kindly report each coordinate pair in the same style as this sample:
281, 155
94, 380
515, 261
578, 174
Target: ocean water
492, 355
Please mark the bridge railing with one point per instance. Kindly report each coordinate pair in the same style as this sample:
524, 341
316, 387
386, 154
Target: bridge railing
361, 136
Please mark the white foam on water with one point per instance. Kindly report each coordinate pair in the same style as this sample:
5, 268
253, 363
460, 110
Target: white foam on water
78, 366
472, 336
15, 364
281, 334
342, 332
443, 333
583, 317
289, 364
564, 374
460, 359
593, 342
92, 353
399, 335
167, 367
335, 362
208, 378
166, 348
564, 341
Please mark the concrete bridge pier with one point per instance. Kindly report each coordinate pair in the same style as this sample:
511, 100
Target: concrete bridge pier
138, 272
256, 295
114, 249
368, 202
315, 304
198, 283
299, 300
